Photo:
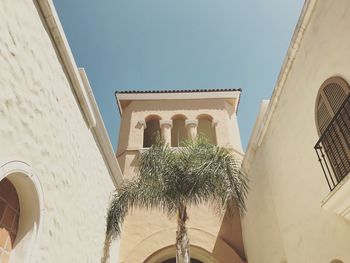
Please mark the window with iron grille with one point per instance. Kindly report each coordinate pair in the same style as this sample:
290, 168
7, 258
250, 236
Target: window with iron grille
333, 125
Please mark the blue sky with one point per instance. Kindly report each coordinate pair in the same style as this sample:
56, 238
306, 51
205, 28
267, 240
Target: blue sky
180, 44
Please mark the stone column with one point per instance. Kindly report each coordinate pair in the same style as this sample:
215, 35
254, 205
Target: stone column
215, 125
191, 126
142, 125
165, 126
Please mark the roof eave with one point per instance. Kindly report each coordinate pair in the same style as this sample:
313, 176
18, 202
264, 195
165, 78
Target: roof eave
175, 95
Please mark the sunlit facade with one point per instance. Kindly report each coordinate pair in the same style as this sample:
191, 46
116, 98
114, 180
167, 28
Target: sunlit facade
58, 169
298, 158
149, 236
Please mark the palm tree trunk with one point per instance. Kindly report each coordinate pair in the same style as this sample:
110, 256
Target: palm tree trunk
182, 241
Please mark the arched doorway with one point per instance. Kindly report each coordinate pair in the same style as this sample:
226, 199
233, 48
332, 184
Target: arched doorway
173, 260
9, 219
167, 255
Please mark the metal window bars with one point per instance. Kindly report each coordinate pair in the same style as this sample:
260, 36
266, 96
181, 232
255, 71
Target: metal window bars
333, 147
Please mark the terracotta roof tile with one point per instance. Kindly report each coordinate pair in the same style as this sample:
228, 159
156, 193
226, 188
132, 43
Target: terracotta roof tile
175, 91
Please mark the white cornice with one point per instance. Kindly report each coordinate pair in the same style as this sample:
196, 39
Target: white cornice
101, 136
259, 130
229, 95
80, 86
294, 46
56, 32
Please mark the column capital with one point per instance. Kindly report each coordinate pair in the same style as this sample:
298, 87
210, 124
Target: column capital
142, 123
166, 123
191, 123
215, 123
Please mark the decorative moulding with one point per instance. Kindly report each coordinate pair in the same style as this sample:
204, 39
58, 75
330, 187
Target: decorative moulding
191, 123
166, 123
142, 123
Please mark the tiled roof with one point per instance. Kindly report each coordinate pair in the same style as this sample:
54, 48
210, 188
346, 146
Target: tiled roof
175, 91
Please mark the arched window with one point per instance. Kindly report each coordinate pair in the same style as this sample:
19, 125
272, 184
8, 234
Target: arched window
151, 131
332, 113
21, 207
178, 131
9, 219
206, 128
331, 96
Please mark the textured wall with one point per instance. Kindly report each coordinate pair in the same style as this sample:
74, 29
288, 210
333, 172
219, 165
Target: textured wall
285, 221
41, 123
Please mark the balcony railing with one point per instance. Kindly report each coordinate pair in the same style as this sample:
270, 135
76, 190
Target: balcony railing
333, 147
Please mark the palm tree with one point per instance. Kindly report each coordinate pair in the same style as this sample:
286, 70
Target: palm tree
172, 179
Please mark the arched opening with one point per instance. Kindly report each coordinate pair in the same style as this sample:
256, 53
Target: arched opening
9, 219
167, 255
21, 188
330, 98
206, 128
173, 260
178, 131
332, 114
151, 131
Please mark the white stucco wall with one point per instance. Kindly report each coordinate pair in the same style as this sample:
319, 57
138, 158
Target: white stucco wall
285, 221
42, 123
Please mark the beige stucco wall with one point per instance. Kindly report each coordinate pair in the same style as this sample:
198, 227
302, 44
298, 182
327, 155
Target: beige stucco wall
146, 232
131, 134
285, 221
42, 124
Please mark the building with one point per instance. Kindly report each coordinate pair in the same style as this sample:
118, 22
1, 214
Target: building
57, 167
298, 156
149, 236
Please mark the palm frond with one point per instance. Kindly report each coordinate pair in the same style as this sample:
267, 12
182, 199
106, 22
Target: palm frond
213, 174
167, 179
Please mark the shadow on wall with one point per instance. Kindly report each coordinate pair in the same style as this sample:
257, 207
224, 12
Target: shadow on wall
151, 131
231, 235
206, 128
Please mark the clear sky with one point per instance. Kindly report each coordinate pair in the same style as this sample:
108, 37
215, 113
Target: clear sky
180, 44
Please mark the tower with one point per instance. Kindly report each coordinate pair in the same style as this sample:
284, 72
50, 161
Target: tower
149, 236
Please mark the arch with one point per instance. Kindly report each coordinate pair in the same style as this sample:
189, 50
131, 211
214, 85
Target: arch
173, 260
9, 218
152, 117
330, 98
206, 127
178, 131
205, 116
217, 250
30, 198
167, 255
151, 131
